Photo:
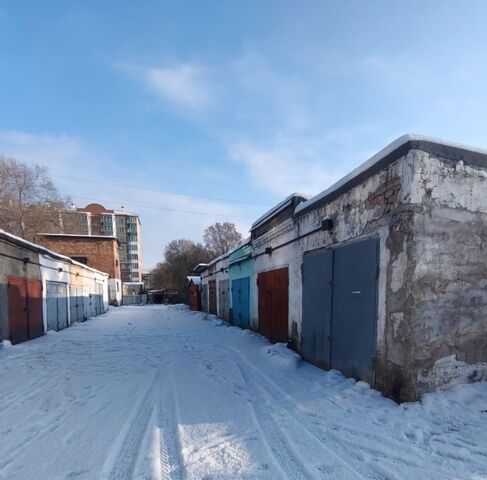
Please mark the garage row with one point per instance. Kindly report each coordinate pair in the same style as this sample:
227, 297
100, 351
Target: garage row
383, 276
41, 290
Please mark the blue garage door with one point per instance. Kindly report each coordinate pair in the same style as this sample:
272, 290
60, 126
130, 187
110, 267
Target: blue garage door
241, 302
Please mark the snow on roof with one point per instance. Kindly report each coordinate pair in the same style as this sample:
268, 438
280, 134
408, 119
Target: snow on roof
218, 259
277, 208
201, 267
45, 251
192, 278
374, 163
240, 244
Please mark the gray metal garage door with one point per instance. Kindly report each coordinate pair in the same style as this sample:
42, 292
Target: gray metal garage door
87, 305
204, 298
340, 308
224, 299
317, 301
99, 299
354, 309
76, 304
57, 305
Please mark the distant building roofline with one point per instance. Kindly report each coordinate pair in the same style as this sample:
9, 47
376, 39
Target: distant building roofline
277, 209
79, 235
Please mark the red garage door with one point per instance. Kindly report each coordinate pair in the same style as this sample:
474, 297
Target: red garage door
24, 309
274, 304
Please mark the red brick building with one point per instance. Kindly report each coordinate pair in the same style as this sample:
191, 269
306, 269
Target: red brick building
97, 251
96, 220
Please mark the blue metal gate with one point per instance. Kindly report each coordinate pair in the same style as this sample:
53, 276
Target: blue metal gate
241, 302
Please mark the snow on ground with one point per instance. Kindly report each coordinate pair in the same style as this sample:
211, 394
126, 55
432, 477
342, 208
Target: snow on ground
160, 392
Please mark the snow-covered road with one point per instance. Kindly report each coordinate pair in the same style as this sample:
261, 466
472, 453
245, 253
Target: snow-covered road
164, 393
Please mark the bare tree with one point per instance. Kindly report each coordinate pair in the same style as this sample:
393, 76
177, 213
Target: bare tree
219, 238
29, 201
180, 257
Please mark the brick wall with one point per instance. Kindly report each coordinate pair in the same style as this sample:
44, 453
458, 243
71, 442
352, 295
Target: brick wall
387, 194
102, 253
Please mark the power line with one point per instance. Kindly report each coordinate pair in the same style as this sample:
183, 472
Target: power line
102, 182
154, 207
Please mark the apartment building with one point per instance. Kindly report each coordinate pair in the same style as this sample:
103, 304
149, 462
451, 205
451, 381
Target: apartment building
95, 219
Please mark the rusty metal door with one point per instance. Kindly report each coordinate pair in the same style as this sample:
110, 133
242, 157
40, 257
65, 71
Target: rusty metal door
355, 309
212, 297
17, 310
224, 299
317, 307
274, 304
24, 309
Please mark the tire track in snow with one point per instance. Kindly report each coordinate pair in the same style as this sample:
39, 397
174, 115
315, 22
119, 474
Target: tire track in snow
356, 468
287, 460
170, 460
333, 442
122, 458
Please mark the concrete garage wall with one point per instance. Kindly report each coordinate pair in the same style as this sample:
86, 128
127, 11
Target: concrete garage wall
438, 308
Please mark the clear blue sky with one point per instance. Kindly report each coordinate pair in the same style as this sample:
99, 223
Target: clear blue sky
240, 100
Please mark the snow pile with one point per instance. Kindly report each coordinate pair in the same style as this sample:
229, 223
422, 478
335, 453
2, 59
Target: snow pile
282, 356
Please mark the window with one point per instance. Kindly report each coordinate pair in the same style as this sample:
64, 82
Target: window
83, 260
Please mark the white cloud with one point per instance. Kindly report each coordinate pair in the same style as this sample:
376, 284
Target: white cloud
184, 85
285, 167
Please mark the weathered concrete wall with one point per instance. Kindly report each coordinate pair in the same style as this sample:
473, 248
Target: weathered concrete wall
15, 268
448, 282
